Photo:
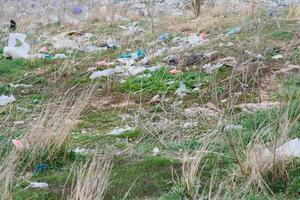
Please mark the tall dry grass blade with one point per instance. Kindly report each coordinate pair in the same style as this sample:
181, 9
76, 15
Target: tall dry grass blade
92, 180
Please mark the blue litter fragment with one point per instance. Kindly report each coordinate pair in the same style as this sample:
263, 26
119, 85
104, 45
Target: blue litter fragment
233, 31
77, 10
40, 168
163, 37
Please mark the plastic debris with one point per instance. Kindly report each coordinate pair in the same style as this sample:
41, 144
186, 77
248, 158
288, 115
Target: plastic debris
253, 107
155, 151
277, 57
120, 131
175, 71
61, 41
164, 37
18, 144
103, 73
13, 25
60, 56
189, 124
202, 36
102, 63
14, 51
209, 68
40, 167
231, 127
233, 31
138, 54
289, 149
77, 10
181, 91
4, 100
206, 110
35, 185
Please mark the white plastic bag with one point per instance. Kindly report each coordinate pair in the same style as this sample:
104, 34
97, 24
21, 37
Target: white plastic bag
14, 51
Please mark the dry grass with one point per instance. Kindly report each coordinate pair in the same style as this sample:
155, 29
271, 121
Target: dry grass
191, 167
294, 12
92, 180
47, 135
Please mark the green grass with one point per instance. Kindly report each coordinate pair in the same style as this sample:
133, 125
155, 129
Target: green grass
163, 82
149, 177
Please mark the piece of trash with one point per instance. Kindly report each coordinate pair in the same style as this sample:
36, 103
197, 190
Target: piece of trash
35, 185
19, 122
172, 59
125, 55
4, 100
231, 127
77, 10
112, 44
138, 54
40, 167
277, 57
61, 41
181, 91
103, 73
155, 151
289, 149
20, 85
164, 37
175, 71
43, 50
189, 124
102, 63
13, 25
155, 99
60, 56
253, 107
202, 36
233, 31
206, 110
210, 69
120, 131
18, 144
14, 51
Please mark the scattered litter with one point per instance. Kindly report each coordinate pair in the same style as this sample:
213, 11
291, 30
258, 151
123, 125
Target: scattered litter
277, 57
62, 41
155, 99
19, 122
43, 50
102, 63
90, 48
120, 131
155, 151
171, 59
231, 127
14, 51
290, 149
4, 100
289, 68
253, 107
103, 73
202, 36
209, 68
60, 56
175, 71
13, 25
164, 37
19, 85
209, 111
233, 31
181, 91
189, 124
18, 144
77, 10
80, 151
138, 54
35, 185
40, 167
